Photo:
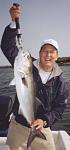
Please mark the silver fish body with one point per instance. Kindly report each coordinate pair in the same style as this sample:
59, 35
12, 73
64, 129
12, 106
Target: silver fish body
24, 85
25, 91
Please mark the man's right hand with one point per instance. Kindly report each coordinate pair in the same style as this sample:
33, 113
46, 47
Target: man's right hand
15, 12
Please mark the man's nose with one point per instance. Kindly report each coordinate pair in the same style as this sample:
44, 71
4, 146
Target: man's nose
48, 53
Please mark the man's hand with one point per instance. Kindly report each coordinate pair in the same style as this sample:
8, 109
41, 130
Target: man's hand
38, 124
15, 12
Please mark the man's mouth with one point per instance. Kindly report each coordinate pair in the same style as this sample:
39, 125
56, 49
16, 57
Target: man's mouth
47, 60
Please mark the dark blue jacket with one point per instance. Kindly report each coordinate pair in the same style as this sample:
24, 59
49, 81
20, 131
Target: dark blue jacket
53, 94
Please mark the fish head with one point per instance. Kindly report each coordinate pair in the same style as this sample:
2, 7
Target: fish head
24, 62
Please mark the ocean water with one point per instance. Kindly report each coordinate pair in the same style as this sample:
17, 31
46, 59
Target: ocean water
6, 75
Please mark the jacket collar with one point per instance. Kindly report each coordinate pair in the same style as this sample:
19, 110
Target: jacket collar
56, 69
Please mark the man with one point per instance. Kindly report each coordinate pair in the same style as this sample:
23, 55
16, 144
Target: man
50, 89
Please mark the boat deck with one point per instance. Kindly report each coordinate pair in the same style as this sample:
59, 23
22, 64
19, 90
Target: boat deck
61, 139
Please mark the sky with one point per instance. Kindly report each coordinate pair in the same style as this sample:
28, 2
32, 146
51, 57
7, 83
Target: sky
40, 20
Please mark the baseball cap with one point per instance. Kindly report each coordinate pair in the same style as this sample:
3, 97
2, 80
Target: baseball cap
51, 42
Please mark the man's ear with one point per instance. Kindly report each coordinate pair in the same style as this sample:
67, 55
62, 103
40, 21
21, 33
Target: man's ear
56, 56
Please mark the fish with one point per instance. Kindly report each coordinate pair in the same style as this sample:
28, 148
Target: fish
25, 89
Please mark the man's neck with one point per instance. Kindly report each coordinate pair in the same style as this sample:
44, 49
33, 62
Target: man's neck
46, 69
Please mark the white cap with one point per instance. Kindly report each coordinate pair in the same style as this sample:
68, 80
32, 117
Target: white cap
52, 42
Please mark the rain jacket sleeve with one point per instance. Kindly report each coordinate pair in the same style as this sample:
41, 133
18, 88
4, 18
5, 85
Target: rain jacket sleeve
8, 44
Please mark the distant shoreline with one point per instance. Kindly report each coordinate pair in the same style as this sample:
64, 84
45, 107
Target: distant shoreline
5, 66
64, 64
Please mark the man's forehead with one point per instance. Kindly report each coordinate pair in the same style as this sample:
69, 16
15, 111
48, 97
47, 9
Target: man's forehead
48, 47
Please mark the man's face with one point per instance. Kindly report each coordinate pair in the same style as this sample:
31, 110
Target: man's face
48, 55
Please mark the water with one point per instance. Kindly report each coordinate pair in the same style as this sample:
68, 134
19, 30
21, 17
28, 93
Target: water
6, 75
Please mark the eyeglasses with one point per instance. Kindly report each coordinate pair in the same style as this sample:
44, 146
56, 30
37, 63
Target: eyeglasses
48, 51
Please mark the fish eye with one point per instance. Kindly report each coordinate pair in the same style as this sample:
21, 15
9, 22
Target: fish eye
28, 56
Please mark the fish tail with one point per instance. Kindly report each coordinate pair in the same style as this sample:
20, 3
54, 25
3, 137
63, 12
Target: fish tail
34, 133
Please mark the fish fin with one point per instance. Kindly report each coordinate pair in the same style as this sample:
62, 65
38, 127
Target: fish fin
40, 135
12, 82
24, 81
38, 101
37, 104
34, 133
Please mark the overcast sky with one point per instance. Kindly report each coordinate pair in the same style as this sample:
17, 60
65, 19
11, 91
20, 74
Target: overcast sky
40, 20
